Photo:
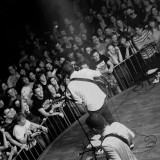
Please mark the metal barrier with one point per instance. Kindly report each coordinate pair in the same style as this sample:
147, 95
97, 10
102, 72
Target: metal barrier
56, 125
127, 73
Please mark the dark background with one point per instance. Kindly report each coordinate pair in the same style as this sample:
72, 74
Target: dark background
14, 14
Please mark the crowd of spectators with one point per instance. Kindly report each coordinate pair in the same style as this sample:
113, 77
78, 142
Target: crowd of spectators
100, 40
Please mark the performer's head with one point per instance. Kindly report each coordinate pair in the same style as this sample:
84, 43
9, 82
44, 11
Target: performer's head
68, 68
96, 123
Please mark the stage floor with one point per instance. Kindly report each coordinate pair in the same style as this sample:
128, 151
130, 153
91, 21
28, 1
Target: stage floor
139, 110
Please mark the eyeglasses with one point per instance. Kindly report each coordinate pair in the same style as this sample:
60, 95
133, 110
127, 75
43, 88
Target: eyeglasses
10, 110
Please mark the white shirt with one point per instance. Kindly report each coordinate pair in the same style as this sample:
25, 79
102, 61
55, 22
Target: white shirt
116, 149
87, 92
20, 131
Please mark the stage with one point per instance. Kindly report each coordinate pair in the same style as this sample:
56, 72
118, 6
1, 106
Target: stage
139, 110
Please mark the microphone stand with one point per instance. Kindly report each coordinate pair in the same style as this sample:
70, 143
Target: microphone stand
77, 118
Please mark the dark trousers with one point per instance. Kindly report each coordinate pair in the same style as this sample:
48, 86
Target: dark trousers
105, 112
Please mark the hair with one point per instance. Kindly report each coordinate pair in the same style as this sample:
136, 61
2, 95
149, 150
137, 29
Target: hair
96, 121
93, 51
19, 116
68, 68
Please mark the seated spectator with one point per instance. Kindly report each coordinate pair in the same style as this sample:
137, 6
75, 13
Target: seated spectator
14, 76
115, 148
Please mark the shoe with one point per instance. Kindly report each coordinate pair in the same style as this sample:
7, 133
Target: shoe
156, 80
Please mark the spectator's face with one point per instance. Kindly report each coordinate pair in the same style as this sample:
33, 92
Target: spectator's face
9, 113
65, 39
11, 70
99, 32
46, 54
26, 66
17, 103
22, 121
123, 40
81, 26
103, 10
32, 76
152, 24
130, 12
111, 49
138, 31
78, 40
71, 55
43, 78
75, 47
49, 74
39, 92
113, 19
119, 23
58, 46
53, 81
4, 86
67, 21
49, 67
63, 32
96, 56
32, 58
154, 11
114, 39
99, 17
108, 31
71, 28
22, 72
41, 64
25, 80
84, 37
95, 40
88, 50
12, 92
62, 59
51, 89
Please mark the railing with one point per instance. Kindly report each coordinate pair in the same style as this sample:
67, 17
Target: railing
127, 73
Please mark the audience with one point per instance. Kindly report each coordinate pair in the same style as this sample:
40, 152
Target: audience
103, 39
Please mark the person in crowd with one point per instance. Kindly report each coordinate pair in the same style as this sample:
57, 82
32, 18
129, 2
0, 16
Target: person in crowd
86, 93
12, 93
8, 124
103, 64
120, 72
79, 42
26, 94
143, 40
25, 131
14, 76
116, 138
153, 27
113, 22
100, 34
155, 13
101, 21
42, 105
101, 47
132, 17
32, 76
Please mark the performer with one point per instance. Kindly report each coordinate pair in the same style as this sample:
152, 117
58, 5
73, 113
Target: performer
86, 93
116, 138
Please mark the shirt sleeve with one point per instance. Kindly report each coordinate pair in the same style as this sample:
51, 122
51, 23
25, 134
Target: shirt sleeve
94, 73
111, 153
